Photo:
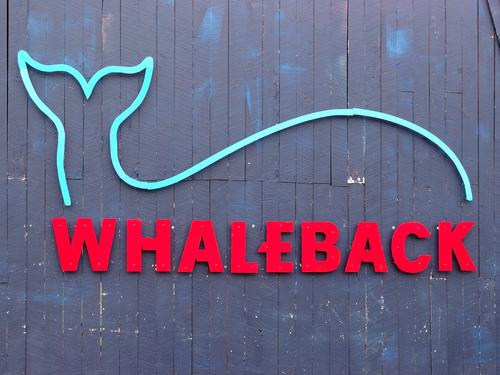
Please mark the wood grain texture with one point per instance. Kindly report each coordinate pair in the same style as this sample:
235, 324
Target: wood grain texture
225, 70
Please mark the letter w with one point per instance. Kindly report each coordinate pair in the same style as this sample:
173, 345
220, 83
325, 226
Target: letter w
70, 251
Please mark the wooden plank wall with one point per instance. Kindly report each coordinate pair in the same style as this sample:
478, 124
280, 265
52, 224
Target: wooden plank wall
224, 70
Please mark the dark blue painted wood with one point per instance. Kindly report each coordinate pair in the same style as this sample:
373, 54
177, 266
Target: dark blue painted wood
223, 70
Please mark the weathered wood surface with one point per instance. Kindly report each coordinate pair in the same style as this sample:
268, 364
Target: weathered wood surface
226, 69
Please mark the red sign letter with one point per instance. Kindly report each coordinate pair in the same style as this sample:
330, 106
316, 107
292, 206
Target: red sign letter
201, 232
366, 234
451, 242
136, 244
238, 250
310, 246
70, 251
274, 247
399, 244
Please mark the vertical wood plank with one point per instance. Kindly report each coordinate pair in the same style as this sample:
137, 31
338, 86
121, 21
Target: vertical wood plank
270, 86
305, 90
470, 142
207, 22
54, 279
254, 319
339, 92
487, 58
403, 52
495, 349
183, 283
238, 20
165, 97
218, 45
149, 144
129, 156
220, 301
36, 212
110, 194
236, 338
437, 76
254, 88
288, 87
373, 180
356, 141
92, 187
422, 202
4, 217
324, 40
389, 165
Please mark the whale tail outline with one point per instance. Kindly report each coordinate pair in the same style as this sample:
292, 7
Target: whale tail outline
25, 61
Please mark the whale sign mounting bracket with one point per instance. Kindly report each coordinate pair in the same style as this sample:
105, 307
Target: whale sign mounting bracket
25, 61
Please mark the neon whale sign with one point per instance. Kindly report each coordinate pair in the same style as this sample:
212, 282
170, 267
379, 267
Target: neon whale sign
24, 61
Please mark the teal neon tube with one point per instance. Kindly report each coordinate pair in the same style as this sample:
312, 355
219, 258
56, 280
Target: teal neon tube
147, 65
